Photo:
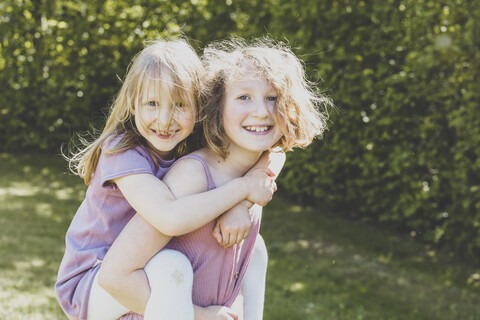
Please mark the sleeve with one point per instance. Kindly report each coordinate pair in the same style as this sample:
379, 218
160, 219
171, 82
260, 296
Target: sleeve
132, 161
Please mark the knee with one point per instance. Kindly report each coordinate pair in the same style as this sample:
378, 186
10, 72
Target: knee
171, 266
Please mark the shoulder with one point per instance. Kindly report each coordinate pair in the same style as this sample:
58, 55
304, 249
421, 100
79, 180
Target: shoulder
113, 164
186, 176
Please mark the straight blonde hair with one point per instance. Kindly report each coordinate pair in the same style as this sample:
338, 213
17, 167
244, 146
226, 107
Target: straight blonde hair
159, 60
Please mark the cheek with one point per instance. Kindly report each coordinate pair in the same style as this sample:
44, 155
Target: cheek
144, 116
186, 121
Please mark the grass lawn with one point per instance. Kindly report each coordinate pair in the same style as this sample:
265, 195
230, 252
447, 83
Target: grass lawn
320, 267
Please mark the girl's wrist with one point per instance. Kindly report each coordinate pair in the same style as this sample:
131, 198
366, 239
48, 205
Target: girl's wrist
244, 187
247, 204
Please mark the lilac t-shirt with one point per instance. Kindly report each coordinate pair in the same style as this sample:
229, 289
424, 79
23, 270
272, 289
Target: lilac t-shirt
99, 220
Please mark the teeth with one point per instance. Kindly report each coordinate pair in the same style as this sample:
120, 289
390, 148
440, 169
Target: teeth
257, 129
163, 133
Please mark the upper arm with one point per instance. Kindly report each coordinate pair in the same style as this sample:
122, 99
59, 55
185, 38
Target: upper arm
143, 191
186, 177
147, 194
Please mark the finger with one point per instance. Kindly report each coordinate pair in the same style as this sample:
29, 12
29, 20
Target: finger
233, 239
239, 238
226, 240
269, 172
217, 234
247, 232
233, 315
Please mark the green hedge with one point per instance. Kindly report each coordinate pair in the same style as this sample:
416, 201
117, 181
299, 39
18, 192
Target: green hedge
402, 149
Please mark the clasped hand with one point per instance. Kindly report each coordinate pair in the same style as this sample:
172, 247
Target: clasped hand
235, 225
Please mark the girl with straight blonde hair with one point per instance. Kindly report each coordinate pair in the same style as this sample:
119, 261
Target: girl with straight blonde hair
154, 112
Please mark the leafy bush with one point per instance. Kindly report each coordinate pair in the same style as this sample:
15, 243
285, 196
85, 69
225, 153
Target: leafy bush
403, 149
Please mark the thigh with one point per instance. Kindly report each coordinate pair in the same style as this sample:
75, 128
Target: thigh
138, 242
102, 306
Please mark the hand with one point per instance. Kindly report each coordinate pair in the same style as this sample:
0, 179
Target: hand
216, 312
233, 226
262, 186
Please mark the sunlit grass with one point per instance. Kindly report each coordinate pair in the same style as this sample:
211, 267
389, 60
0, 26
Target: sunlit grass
38, 199
320, 266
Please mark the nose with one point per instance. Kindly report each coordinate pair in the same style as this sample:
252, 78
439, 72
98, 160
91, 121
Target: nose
261, 109
164, 118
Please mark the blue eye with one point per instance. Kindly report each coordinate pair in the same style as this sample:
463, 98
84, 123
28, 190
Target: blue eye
152, 103
244, 97
272, 98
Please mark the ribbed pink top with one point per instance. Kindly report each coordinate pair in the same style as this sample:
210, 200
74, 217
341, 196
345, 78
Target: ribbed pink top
218, 272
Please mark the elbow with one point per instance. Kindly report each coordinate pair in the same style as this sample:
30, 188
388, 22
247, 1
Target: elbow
169, 225
171, 230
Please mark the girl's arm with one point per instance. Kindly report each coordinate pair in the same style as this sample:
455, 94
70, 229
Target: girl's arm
234, 225
121, 273
152, 198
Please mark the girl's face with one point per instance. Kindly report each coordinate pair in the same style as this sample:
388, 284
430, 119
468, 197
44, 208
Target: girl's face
247, 116
162, 120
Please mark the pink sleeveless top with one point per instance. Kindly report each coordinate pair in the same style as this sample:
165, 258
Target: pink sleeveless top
217, 272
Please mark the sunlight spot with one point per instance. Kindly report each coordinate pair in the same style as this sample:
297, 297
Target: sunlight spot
474, 280
292, 246
296, 208
55, 184
27, 265
426, 187
21, 190
385, 258
38, 262
309, 307
297, 286
303, 244
402, 281
44, 209
64, 194
21, 265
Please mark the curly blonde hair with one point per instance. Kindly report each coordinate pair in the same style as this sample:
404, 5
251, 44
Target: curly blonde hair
171, 64
300, 111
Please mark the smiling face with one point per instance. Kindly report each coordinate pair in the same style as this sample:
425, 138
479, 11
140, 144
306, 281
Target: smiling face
248, 108
162, 118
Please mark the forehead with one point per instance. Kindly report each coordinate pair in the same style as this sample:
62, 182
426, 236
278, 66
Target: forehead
157, 87
248, 82
161, 85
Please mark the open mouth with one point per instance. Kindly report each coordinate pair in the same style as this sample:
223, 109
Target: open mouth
163, 134
258, 128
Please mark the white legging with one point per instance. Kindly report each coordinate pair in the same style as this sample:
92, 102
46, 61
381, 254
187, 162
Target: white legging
253, 287
170, 276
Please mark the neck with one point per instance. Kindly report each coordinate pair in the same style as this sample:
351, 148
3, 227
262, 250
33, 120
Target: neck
236, 164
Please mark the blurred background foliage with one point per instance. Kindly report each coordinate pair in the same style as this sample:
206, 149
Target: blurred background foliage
403, 149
